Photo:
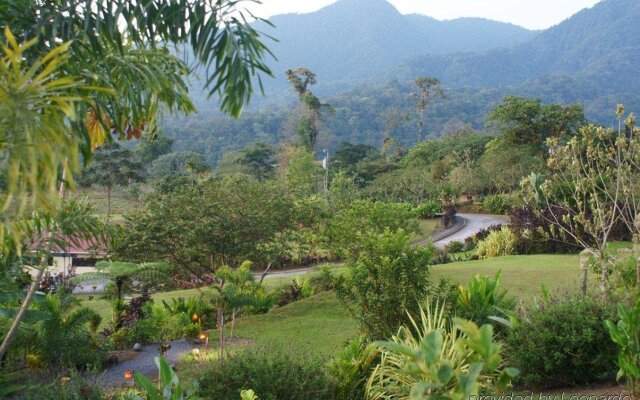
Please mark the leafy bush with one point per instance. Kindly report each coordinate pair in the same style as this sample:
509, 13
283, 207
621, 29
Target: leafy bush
472, 241
384, 281
433, 358
352, 367
428, 209
497, 244
482, 298
454, 247
363, 218
323, 281
160, 325
533, 231
496, 204
270, 374
563, 342
297, 290
626, 334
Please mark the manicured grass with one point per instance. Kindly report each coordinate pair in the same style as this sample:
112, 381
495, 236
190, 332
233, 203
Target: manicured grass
523, 276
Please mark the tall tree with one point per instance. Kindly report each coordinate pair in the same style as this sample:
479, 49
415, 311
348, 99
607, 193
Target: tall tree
427, 90
150, 148
112, 165
308, 126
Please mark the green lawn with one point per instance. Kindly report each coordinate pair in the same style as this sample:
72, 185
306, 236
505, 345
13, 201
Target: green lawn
427, 228
121, 202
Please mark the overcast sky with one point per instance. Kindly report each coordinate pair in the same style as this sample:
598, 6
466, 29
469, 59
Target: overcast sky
532, 14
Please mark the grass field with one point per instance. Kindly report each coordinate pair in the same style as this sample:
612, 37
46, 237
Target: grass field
121, 201
320, 325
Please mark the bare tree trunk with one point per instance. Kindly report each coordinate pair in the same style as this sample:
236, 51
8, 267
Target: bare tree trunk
32, 289
233, 321
108, 203
636, 253
603, 273
265, 272
585, 255
221, 327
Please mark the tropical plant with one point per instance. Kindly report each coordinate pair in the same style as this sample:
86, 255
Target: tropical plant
169, 387
352, 367
67, 332
248, 395
483, 298
626, 334
497, 244
436, 358
383, 282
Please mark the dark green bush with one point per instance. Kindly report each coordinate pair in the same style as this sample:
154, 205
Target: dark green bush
454, 247
352, 367
496, 204
271, 375
75, 389
564, 342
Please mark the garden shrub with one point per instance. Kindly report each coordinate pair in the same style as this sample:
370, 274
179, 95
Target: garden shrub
384, 282
534, 232
75, 389
454, 247
497, 204
351, 369
482, 298
159, 325
428, 209
270, 374
564, 342
497, 244
472, 241
296, 290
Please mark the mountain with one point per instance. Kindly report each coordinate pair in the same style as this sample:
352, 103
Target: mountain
351, 40
593, 53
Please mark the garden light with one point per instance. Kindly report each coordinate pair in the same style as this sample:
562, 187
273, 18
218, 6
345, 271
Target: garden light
195, 317
128, 375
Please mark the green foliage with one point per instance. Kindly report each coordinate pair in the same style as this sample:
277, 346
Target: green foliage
185, 163
383, 282
67, 334
160, 324
499, 243
482, 298
200, 227
272, 374
169, 387
149, 148
526, 121
563, 342
342, 191
256, 160
364, 218
302, 174
496, 204
112, 166
428, 209
433, 357
76, 388
351, 369
626, 335
504, 164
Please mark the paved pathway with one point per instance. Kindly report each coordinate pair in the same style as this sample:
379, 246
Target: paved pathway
144, 363
475, 223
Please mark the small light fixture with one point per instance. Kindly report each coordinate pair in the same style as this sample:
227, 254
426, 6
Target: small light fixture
195, 317
202, 336
128, 375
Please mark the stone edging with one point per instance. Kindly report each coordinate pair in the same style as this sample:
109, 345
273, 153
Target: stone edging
458, 225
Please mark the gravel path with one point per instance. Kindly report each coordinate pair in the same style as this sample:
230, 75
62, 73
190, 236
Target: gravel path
143, 363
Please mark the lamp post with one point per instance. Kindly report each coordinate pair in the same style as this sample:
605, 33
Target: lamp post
128, 376
204, 338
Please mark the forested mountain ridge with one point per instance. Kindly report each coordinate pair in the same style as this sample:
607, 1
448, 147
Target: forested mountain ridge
596, 45
352, 40
589, 59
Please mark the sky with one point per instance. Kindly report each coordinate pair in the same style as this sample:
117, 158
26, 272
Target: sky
532, 14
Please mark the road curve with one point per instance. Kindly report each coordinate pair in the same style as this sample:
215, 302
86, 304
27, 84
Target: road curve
475, 223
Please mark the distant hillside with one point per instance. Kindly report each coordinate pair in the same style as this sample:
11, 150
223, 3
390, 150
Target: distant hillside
593, 53
352, 40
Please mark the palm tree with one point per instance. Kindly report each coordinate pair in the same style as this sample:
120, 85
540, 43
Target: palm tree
125, 275
67, 330
110, 74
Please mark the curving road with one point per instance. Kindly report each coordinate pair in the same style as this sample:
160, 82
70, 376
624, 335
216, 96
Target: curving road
475, 223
